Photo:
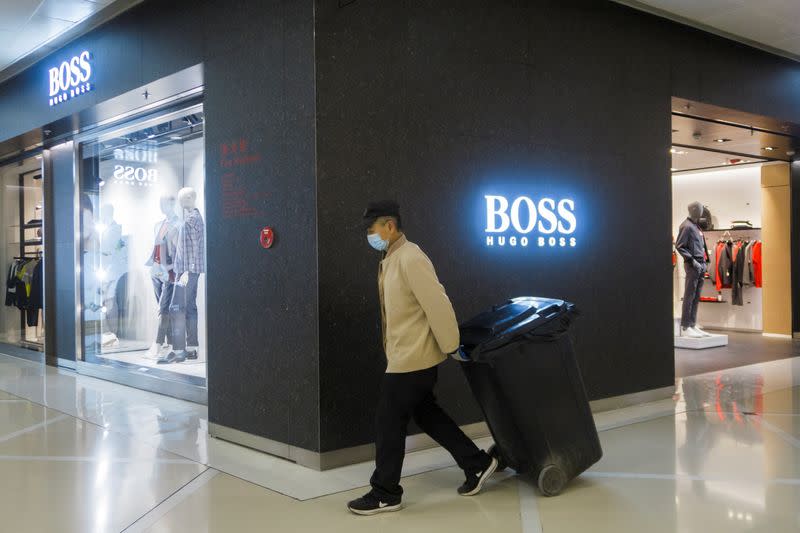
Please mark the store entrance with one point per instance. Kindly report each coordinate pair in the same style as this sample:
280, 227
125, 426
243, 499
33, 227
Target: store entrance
22, 256
731, 220
142, 250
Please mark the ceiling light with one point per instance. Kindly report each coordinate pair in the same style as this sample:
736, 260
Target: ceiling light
721, 140
677, 152
673, 169
770, 148
175, 137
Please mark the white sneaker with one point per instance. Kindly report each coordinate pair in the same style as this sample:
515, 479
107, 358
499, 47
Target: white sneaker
153, 351
701, 332
691, 333
109, 340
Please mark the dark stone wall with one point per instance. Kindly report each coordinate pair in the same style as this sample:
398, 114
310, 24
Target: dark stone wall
258, 64
332, 103
438, 103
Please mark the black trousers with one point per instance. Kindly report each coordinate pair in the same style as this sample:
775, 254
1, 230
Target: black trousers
403, 397
183, 314
691, 295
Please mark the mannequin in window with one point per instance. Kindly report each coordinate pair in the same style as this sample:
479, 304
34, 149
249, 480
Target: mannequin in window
162, 273
691, 245
114, 264
190, 262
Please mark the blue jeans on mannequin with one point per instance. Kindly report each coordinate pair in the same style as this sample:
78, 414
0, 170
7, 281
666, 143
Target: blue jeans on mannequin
183, 314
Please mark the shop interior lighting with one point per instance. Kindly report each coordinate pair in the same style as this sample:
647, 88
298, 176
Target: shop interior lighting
673, 169
678, 152
770, 148
721, 140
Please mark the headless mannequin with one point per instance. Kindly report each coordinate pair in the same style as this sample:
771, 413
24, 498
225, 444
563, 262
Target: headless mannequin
115, 265
690, 244
161, 273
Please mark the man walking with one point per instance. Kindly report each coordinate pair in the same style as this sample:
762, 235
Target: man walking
419, 328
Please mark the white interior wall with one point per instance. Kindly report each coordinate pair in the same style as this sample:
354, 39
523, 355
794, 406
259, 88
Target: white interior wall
730, 194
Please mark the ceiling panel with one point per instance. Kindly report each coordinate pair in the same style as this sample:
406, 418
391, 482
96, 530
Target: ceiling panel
27, 25
685, 159
711, 135
71, 10
772, 24
15, 13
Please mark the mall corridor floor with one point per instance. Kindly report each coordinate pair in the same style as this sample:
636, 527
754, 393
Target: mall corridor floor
83, 455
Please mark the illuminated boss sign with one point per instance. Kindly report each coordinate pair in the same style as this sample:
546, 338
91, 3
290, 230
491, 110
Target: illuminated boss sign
70, 79
524, 222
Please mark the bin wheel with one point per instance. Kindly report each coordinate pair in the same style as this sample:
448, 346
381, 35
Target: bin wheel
551, 480
501, 464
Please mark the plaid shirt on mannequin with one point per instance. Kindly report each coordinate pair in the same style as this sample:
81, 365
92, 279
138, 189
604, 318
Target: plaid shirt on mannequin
190, 255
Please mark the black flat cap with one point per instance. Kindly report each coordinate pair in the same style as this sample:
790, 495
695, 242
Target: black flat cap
383, 208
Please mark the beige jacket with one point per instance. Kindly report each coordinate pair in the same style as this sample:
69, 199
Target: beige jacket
419, 324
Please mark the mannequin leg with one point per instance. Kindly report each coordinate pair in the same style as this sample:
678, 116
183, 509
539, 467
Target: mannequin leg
177, 319
696, 299
191, 310
164, 301
691, 295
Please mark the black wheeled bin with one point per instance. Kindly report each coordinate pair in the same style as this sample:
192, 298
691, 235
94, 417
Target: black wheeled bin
523, 372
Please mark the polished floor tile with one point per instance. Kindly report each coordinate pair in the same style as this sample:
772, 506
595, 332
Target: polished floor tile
723, 454
228, 504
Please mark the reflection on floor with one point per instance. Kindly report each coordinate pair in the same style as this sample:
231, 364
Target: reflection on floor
723, 455
194, 367
743, 349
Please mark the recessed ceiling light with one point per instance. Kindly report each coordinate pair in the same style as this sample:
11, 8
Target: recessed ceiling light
677, 152
175, 137
673, 169
770, 148
721, 140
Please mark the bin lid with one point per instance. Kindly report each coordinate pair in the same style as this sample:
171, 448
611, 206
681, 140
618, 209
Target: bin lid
512, 319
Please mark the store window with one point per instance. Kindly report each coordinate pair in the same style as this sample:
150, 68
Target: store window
21, 254
142, 207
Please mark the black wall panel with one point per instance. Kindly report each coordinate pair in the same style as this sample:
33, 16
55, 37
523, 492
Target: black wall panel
435, 103
259, 97
337, 103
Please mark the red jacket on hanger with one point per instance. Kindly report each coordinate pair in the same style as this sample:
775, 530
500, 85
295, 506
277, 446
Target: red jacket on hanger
757, 264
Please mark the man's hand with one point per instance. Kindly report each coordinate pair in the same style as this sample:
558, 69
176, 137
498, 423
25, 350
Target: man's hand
460, 354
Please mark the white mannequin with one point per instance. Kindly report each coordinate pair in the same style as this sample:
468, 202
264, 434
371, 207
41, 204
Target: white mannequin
184, 313
167, 206
187, 197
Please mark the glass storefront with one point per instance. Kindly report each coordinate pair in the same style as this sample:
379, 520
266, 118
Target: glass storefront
22, 254
142, 205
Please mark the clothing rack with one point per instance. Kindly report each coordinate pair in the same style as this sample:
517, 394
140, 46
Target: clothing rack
25, 245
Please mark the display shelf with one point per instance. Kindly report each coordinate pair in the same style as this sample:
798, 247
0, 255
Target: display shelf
35, 225
713, 302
